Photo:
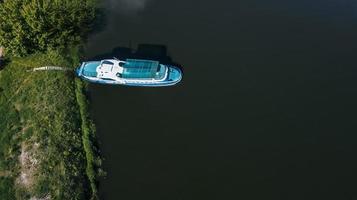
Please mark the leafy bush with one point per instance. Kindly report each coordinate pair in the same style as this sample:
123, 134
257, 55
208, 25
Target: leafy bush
28, 26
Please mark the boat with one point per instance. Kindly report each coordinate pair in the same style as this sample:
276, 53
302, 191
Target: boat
130, 72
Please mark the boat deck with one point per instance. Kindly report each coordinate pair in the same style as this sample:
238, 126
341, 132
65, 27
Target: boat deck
91, 69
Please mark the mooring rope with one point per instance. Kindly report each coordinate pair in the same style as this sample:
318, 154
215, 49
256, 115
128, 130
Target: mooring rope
51, 68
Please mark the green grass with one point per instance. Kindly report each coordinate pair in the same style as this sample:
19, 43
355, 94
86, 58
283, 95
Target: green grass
89, 137
6, 188
45, 114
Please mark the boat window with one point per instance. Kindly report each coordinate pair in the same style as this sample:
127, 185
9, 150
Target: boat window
108, 63
119, 75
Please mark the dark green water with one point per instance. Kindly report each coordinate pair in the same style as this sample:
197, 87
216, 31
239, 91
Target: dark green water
266, 110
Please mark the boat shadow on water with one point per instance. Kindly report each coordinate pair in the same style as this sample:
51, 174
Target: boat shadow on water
144, 51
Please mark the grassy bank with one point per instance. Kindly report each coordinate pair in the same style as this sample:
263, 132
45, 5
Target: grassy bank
46, 140
94, 162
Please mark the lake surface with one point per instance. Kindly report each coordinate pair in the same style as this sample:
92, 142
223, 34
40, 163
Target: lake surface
266, 109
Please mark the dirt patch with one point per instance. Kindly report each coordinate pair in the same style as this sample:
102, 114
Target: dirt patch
47, 197
28, 165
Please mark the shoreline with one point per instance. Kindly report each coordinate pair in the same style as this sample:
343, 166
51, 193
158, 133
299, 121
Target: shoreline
93, 165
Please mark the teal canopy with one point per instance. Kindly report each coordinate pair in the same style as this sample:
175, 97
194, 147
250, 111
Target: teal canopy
142, 69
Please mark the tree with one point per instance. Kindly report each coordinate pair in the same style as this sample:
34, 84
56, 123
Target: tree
28, 26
